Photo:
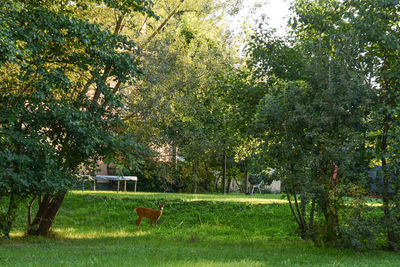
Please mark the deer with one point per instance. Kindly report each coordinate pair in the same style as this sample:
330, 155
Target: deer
153, 215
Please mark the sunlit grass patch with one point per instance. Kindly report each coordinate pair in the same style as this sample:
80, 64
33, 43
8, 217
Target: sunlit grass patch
17, 234
220, 263
254, 199
71, 233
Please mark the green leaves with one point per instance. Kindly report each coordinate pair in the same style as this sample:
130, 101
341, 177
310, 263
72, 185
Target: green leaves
60, 102
312, 117
347, 53
179, 101
50, 124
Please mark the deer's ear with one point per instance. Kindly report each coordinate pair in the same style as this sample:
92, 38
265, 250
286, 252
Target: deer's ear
164, 203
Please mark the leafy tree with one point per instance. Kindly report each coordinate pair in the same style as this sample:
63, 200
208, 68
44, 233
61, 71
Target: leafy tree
377, 29
59, 101
372, 27
310, 123
177, 102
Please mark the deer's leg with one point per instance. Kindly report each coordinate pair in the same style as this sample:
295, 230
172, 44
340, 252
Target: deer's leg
155, 223
138, 221
151, 222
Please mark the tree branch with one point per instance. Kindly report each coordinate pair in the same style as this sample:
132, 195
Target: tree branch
30, 210
118, 28
143, 24
146, 43
299, 212
291, 208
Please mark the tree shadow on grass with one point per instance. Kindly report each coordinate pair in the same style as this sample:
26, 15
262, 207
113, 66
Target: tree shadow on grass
147, 248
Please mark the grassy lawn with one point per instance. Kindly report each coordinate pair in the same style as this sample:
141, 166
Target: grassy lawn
98, 228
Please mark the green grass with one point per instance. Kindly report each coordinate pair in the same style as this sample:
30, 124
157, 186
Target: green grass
98, 228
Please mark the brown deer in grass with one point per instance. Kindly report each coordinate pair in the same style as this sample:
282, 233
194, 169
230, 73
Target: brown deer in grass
153, 215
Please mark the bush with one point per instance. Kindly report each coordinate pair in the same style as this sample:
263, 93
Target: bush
361, 233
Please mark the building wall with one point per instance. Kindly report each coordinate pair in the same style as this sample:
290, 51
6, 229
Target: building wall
102, 168
275, 186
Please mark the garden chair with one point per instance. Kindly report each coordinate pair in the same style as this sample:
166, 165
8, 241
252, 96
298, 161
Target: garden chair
256, 186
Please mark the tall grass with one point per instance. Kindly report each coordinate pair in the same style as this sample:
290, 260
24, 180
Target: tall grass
98, 228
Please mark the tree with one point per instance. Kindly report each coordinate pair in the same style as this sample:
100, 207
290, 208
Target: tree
310, 122
377, 29
176, 103
59, 101
372, 27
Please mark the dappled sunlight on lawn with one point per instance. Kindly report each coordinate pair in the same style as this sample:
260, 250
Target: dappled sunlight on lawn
239, 199
71, 233
235, 197
75, 234
253, 199
17, 234
208, 262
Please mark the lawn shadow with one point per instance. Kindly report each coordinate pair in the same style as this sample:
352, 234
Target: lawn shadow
148, 248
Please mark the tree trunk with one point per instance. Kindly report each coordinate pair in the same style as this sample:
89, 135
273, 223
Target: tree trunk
229, 184
387, 100
296, 216
303, 225
246, 182
44, 219
224, 174
174, 157
9, 217
311, 220
195, 177
208, 180
385, 194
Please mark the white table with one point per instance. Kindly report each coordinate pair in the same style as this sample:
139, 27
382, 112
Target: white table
114, 178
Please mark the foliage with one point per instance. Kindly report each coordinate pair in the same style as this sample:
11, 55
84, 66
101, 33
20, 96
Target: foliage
359, 229
330, 110
160, 177
58, 108
372, 27
177, 106
310, 121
